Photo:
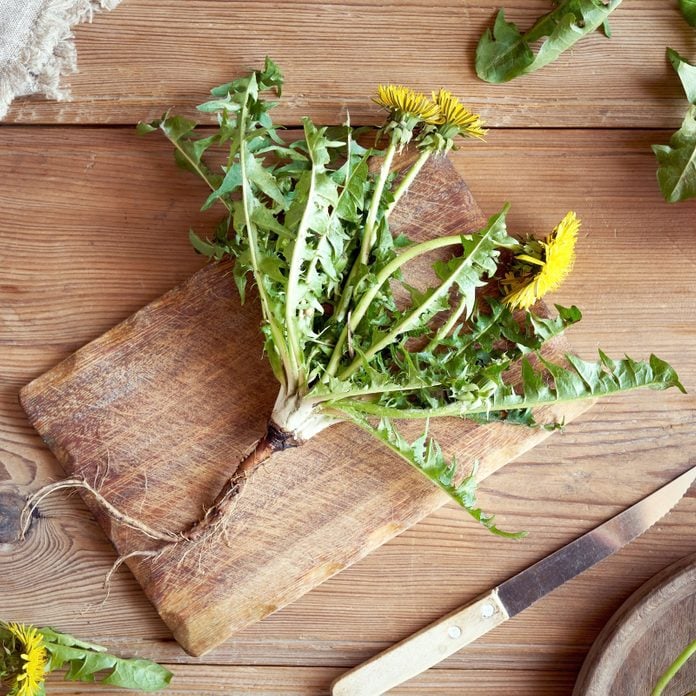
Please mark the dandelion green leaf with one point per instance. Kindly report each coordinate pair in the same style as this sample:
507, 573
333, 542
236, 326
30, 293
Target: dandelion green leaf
201, 246
688, 9
188, 152
546, 328
175, 127
138, 674
353, 193
216, 105
676, 174
546, 384
506, 53
677, 171
425, 455
502, 54
266, 219
71, 641
85, 662
263, 179
686, 72
230, 183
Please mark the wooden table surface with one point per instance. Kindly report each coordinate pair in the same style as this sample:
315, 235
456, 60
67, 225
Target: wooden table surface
94, 224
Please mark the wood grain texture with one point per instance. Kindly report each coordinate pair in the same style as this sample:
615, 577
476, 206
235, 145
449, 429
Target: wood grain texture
146, 57
209, 680
644, 637
105, 233
157, 413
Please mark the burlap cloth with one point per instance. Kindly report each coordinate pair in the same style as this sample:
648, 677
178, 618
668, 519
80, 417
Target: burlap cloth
36, 45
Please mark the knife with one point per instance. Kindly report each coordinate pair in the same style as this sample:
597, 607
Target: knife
446, 636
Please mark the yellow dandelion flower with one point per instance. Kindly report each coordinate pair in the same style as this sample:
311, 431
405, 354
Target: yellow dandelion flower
403, 101
454, 113
556, 262
521, 292
28, 681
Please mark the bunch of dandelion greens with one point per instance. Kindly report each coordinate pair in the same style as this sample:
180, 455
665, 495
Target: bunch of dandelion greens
308, 223
28, 654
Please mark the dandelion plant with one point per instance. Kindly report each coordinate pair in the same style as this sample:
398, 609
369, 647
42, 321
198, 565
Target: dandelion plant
29, 653
306, 221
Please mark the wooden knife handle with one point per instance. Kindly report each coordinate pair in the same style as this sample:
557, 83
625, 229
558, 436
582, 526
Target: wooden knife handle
423, 649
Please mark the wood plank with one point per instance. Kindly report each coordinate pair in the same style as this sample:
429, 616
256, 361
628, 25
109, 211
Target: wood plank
205, 680
143, 58
633, 279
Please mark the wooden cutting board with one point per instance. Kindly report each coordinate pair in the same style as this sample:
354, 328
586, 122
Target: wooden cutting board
644, 637
158, 411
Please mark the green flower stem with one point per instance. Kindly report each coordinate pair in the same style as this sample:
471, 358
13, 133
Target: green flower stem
379, 389
460, 409
404, 325
408, 178
347, 293
411, 319
295, 272
288, 360
445, 329
672, 670
382, 277
368, 239
348, 287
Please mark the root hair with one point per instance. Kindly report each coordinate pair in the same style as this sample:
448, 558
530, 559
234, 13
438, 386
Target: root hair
116, 514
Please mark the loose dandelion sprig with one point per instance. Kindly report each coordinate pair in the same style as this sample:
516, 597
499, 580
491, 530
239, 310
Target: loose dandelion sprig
504, 53
671, 672
28, 654
308, 224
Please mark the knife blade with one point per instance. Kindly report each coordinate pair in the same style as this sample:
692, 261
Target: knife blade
446, 636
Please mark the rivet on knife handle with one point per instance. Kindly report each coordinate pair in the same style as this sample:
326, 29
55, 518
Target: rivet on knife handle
423, 650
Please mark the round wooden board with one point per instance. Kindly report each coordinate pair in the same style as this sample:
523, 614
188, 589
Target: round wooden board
643, 638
